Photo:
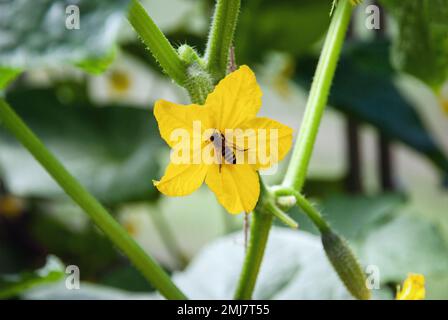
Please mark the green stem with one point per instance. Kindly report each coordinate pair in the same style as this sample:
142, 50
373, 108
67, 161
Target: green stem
157, 43
283, 217
259, 233
221, 37
307, 207
317, 101
147, 265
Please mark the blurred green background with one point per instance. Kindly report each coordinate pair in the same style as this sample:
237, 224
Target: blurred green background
379, 171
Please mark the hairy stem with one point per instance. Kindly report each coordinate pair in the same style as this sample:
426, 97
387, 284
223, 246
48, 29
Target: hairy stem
259, 232
317, 101
116, 233
221, 37
307, 208
157, 43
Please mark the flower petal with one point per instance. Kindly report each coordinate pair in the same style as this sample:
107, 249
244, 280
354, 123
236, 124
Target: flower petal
182, 179
270, 146
171, 116
236, 99
236, 187
413, 288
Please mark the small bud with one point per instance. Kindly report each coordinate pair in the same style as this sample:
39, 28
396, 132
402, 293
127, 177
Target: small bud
345, 264
188, 55
286, 202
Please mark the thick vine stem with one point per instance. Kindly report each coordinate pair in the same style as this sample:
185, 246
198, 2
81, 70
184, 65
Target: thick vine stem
259, 234
116, 233
157, 43
221, 37
317, 100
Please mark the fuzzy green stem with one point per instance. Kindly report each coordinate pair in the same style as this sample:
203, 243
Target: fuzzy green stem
221, 37
147, 265
259, 233
307, 208
317, 101
283, 217
157, 43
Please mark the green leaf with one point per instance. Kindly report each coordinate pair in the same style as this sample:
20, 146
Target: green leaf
111, 150
364, 88
35, 34
12, 285
7, 75
354, 216
421, 48
98, 65
291, 26
294, 267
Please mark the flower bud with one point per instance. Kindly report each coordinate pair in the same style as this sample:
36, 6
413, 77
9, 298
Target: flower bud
188, 55
199, 83
345, 264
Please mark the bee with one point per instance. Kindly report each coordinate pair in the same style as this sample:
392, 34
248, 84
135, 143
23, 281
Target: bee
225, 149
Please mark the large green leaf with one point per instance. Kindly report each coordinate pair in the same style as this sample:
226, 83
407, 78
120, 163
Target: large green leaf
13, 284
421, 48
294, 267
34, 33
364, 88
111, 150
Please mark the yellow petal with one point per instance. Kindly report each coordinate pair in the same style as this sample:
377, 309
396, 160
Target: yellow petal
236, 187
171, 116
236, 99
268, 142
181, 179
413, 288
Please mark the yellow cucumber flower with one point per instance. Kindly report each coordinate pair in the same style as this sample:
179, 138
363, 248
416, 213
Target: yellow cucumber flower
222, 142
413, 288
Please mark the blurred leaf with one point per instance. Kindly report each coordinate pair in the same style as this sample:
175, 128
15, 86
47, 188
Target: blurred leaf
7, 75
87, 291
98, 65
294, 267
12, 285
111, 150
364, 88
421, 48
354, 216
87, 248
409, 244
286, 25
35, 34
